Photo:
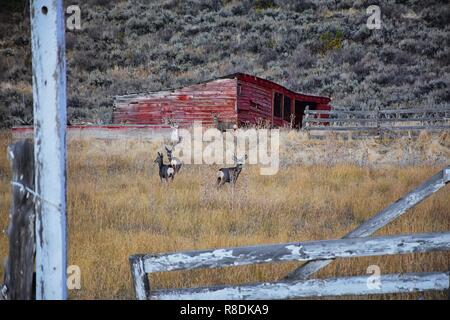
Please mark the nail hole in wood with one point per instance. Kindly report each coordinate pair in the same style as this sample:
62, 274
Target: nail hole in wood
44, 10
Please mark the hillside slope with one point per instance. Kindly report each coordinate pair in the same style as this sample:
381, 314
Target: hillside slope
319, 47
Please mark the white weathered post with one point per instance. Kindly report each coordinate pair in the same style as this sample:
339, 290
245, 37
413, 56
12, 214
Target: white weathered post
49, 101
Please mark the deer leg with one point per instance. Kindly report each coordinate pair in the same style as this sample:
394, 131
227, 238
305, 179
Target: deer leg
233, 179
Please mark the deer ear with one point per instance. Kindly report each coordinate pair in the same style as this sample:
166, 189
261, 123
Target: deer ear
167, 149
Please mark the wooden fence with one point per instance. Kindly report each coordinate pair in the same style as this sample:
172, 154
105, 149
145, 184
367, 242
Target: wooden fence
377, 122
19, 267
38, 231
317, 253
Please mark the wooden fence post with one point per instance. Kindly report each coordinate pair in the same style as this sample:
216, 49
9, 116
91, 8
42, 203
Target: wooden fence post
377, 115
49, 102
139, 278
305, 117
18, 284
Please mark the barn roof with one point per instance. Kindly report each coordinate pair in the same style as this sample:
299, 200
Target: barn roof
270, 84
237, 75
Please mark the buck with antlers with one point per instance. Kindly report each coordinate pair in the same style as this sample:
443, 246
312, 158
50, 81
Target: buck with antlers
231, 174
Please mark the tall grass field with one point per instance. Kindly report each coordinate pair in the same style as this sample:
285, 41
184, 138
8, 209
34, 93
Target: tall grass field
118, 207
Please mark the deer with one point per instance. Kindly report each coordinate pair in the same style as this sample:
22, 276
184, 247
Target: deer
165, 171
231, 174
174, 162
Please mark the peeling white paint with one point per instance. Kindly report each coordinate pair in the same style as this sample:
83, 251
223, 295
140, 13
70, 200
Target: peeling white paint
304, 251
392, 283
295, 250
173, 261
49, 102
447, 174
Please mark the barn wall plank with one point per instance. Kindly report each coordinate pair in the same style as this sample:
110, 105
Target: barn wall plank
198, 102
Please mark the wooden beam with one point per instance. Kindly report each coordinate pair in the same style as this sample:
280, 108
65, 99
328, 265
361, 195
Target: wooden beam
382, 218
399, 128
437, 118
330, 128
359, 120
359, 285
429, 127
293, 251
369, 113
333, 120
416, 110
139, 278
339, 112
20, 263
49, 101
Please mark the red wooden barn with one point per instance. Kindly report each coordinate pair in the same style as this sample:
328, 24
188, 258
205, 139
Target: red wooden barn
234, 99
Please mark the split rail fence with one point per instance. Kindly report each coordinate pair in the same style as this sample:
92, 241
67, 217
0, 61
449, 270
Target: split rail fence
318, 254
377, 122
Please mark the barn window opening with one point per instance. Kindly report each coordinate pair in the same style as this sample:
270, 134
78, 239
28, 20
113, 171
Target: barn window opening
287, 108
277, 100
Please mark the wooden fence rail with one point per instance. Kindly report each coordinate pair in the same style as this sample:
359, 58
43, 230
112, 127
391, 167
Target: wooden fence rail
318, 253
374, 113
299, 251
390, 283
435, 119
295, 251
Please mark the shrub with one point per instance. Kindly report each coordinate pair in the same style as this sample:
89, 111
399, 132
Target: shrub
312, 46
330, 40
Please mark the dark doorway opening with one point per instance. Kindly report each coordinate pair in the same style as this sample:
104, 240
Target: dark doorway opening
277, 102
287, 109
300, 107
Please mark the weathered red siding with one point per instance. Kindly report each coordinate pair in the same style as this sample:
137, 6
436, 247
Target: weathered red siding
235, 99
255, 100
198, 102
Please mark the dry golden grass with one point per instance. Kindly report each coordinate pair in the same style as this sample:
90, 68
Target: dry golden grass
117, 207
